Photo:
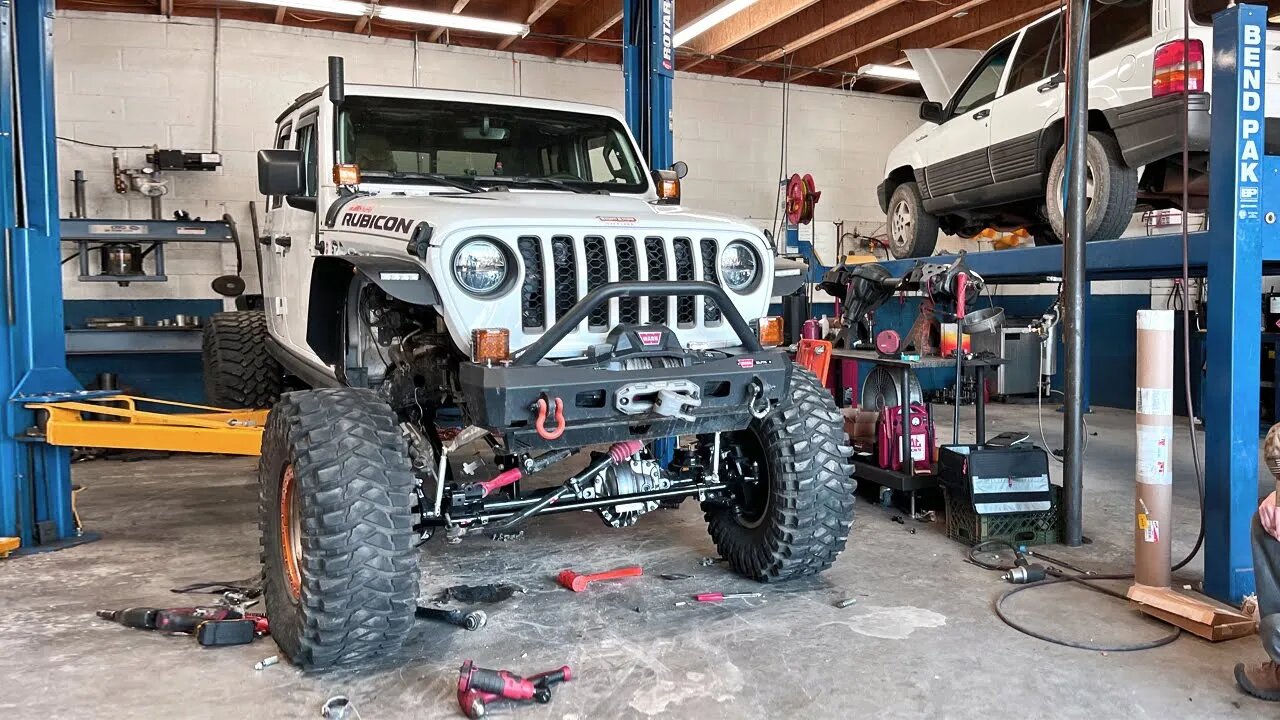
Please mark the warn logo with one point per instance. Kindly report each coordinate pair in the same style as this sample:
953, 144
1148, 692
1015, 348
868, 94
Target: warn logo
389, 223
650, 338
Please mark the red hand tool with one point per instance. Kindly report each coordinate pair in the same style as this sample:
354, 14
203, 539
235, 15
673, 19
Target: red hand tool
480, 689
578, 583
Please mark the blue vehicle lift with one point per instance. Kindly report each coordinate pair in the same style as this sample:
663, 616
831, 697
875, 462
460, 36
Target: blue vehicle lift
35, 478
648, 65
1242, 244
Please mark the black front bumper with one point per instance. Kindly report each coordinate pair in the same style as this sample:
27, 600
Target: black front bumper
504, 399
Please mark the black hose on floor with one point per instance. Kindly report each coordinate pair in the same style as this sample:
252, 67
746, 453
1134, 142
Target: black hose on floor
1057, 577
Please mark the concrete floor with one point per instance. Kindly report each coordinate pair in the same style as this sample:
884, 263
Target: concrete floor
921, 640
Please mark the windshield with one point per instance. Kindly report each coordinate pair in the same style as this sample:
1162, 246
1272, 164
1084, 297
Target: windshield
1202, 11
405, 140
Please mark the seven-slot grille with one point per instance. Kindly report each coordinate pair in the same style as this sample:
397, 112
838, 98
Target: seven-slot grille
579, 264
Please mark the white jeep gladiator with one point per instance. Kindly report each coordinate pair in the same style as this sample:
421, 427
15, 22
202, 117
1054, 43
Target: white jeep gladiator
993, 154
444, 267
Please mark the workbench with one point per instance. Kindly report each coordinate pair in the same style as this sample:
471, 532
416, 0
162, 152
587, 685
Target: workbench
908, 480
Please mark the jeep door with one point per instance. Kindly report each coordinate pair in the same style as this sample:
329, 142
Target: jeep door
273, 295
959, 168
289, 243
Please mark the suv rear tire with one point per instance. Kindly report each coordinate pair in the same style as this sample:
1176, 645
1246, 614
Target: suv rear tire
1114, 190
238, 370
912, 230
795, 518
340, 571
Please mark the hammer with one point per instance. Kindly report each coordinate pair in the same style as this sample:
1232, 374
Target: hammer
578, 582
469, 619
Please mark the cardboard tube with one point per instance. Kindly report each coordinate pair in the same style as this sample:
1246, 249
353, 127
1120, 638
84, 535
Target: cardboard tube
1153, 521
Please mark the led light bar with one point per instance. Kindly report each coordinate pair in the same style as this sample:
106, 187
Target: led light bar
717, 15
457, 22
337, 7
889, 72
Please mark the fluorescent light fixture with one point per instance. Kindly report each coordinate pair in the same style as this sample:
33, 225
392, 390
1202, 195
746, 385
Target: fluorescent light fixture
717, 15
457, 22
337, 7
889, 72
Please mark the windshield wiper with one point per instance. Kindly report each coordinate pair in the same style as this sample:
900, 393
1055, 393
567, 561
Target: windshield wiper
434, 177
551, 182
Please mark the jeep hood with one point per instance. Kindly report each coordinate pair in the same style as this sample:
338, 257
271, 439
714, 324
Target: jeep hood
396, 216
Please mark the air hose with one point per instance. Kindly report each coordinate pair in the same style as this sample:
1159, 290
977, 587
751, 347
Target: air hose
1057, 576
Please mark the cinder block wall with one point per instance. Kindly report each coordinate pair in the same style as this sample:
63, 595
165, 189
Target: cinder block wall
143, 80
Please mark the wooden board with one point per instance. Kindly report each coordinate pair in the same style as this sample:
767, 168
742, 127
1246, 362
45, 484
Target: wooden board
1211, 622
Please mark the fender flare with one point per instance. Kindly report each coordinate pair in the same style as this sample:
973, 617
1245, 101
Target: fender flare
401, 278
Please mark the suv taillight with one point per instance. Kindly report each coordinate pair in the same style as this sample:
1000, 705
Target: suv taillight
1178, 66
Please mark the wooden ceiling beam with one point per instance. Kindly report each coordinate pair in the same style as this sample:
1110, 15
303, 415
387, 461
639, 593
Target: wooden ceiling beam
876, 33
279, 15
813, 25
754, 19
536, 9
591, 22
458, 7
991, 24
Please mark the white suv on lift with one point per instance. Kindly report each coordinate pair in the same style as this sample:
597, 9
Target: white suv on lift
993, 155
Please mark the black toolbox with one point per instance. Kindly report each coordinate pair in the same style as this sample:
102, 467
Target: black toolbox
999, 493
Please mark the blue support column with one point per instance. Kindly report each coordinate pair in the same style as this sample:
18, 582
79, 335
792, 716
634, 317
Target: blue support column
648, 65
35, 479
1238, 212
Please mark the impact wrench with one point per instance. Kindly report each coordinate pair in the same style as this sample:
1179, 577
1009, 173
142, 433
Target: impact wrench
480, 689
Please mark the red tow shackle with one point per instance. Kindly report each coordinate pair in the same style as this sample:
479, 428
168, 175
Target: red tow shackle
540, 423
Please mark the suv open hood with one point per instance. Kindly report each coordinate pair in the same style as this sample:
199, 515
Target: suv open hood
941, 70
396, 216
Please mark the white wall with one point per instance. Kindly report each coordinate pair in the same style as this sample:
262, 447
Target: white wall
142, 80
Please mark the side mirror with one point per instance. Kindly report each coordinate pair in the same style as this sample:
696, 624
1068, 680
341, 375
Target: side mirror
667, 183
280, 172
931, 112
680, 168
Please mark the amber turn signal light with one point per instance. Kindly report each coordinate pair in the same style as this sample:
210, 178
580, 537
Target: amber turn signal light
490, 345
770, 331
346, 174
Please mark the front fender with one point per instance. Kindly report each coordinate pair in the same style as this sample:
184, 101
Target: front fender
401, 278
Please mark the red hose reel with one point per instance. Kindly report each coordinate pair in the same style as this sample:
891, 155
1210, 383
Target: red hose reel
802, 197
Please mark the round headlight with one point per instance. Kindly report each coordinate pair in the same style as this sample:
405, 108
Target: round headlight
480, 267
739, 266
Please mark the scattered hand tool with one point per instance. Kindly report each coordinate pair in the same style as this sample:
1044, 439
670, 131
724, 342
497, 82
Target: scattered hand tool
718, 596
578, 582
709, 561
212, 625
846, 603
674, 576
468, 619
480, 690
266, 662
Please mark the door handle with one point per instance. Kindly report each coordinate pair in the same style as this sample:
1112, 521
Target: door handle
284, 241
264, 239
1053, 82
981, 114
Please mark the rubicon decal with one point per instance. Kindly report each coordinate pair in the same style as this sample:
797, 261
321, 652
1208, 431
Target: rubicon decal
390, 223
